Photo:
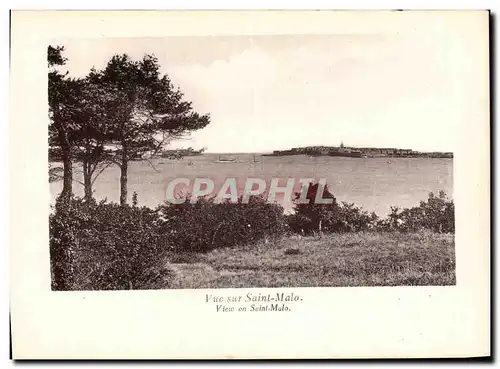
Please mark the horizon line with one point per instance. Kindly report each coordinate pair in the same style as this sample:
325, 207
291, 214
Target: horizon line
271, 151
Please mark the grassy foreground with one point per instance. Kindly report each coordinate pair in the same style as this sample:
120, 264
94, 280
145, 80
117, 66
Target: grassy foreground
352, 259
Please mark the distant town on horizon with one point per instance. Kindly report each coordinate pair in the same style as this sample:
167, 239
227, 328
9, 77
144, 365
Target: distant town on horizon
322, 150
313, 150
353, 151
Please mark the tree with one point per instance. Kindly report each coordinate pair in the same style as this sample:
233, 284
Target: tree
95, 131
77, 124
146, 111
63, 113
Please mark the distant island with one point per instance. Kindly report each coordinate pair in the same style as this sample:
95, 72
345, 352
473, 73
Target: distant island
179, 153
55, 154
359, 152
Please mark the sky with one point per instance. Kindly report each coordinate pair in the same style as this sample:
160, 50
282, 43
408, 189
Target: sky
402, 89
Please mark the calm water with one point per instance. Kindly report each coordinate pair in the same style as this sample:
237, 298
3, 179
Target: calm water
373, 183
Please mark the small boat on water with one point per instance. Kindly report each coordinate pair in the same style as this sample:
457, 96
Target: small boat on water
254, 160
226, 160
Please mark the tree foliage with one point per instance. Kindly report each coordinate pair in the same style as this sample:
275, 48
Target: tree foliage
314, 217
63, 93
126, 111
146, 111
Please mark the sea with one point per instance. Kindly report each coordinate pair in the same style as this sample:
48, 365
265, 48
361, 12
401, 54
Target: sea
375, 184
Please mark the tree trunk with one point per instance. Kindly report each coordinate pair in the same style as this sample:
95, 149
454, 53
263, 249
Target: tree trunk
123, 180
67, 158
87, 181
67, 191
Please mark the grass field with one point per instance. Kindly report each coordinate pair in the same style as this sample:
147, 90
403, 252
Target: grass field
353, 259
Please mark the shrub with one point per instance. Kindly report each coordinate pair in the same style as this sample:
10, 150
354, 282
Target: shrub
345, 217
436, 214
98, 246
206, 225
311, 217
355, 219
63, 228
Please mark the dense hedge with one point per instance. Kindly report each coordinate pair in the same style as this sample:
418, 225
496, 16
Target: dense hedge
108, 246
436, 214
105, 246
311, 218
206, 225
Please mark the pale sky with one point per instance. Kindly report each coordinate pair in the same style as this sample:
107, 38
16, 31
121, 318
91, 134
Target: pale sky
405, 89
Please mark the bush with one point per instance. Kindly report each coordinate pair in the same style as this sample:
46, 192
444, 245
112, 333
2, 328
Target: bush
436, 214
206, 225
355, 219
99, 246
63, 225
311, 217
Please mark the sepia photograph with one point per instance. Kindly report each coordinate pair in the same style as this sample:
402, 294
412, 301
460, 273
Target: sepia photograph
192, 183
251, 161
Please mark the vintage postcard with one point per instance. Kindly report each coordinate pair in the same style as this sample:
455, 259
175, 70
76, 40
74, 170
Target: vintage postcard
200, 184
